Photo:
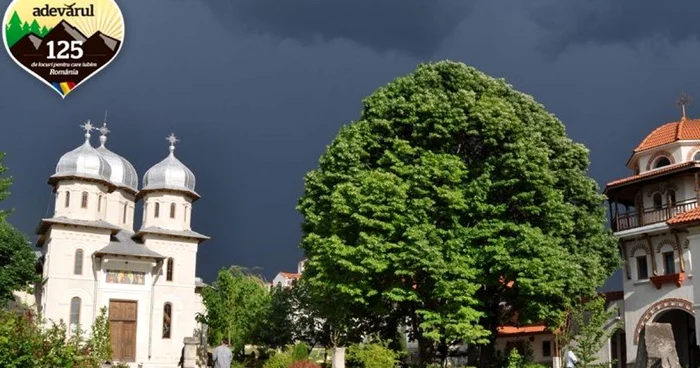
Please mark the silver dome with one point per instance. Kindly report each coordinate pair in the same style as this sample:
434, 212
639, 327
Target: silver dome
123, 173
83, 162
169, 174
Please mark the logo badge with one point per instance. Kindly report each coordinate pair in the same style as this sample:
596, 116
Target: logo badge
63, 43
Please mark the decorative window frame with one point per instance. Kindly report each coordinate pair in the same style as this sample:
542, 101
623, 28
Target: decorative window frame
656, 156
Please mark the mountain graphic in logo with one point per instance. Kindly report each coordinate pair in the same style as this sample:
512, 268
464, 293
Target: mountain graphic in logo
32, 49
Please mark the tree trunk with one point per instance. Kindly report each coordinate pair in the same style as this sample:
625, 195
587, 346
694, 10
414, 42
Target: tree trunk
425, 352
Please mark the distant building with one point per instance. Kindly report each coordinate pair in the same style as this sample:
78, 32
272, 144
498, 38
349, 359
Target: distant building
91, 257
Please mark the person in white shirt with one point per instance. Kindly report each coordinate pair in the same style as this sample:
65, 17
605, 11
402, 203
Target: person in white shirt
571, 359
222, 355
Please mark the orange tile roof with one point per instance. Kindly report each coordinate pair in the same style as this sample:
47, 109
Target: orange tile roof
290, 275
685, 217
649, 173
515, 330
686, 129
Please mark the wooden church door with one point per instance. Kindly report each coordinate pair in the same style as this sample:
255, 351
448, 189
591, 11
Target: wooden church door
122, 329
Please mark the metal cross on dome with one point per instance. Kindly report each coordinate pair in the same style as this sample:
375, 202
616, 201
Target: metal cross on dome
104, 129
172, 139
683, 101
88, 127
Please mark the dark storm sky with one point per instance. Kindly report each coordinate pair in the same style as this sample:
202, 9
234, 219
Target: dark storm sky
256, 89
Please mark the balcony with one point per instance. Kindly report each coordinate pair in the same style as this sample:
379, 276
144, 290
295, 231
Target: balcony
675, 278
649, 216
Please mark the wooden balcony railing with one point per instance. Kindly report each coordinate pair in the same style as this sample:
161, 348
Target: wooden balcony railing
648, 216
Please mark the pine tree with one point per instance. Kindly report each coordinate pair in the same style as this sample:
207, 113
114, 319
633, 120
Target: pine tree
43, 31
25, 29
14, 29
34, 28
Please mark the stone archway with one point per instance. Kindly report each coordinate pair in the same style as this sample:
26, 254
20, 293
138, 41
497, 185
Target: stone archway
658, 307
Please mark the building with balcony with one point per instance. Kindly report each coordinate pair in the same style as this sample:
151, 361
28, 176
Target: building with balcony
654, 212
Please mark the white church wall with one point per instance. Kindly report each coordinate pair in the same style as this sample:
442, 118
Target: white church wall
181, 219
75, 210
640, 295
688, 149
116, 204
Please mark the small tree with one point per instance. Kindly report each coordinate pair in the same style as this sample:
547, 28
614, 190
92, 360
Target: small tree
590, 324
236, 304
277, 328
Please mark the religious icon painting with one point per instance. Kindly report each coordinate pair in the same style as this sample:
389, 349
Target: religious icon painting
63, 43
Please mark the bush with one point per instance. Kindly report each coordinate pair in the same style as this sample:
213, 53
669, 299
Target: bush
306, 363
373, 355
299, 351
279, 360
24, 344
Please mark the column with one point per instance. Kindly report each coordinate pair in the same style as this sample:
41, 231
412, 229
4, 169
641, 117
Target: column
694, 249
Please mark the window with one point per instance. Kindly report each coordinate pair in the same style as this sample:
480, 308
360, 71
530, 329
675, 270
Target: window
74, 314
185, 211
157, 211
78, 262
661, 162
124, 213
172, 210
67, 202
546, 348
669, 263
696, 157
672, 197
169, 270
167, 319
657, 201
99, 203
642, 270
83, 202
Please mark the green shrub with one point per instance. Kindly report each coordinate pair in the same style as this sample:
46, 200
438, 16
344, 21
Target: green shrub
373, 355
237, 365
299, 351
24, 344
279, 360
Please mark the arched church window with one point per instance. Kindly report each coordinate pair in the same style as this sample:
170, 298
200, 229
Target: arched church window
167, 320
157, 210
78, 262
661, 162
169, 270
84, 200
74, 314
99, 203
172, 210
67, 200
124, 213
696, 157
657, 201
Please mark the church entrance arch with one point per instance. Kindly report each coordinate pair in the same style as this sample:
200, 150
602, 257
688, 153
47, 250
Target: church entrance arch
683, 325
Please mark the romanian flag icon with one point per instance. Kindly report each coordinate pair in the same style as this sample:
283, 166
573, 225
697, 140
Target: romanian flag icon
64, 87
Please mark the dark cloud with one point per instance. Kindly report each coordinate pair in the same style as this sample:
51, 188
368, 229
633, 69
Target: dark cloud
614, 22
414, 27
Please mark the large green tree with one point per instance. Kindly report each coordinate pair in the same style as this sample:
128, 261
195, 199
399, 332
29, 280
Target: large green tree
452, 203
236, 304
17, 261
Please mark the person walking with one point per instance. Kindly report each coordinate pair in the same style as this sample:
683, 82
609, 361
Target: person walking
222, 355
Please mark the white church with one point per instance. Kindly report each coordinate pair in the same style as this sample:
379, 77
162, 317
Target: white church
92, 257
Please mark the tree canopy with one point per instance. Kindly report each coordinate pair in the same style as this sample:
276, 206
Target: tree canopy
452, 196
236, 304
17, 261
